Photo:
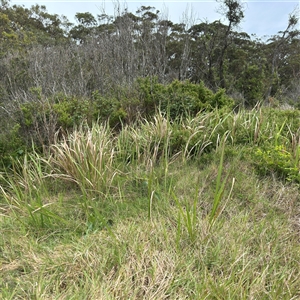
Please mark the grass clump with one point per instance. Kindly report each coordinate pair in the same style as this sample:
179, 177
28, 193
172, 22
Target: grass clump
86, 158
163, 209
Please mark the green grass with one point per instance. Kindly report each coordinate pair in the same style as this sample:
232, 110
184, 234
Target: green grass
159, 210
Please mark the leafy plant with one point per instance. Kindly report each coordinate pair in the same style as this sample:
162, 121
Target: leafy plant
12, 146
179, 99
278, 160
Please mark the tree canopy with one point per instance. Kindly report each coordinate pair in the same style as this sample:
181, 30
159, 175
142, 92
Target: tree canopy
39, 49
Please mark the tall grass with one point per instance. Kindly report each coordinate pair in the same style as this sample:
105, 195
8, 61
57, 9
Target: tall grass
220, 186
295, 146
86, 157
26, 192
156, 213
146, 142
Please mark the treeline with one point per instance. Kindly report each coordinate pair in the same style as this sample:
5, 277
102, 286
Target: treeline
46, 51
54, 73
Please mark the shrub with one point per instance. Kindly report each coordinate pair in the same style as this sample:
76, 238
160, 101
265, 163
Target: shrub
181, 98
11, 146
278, 160
71, 110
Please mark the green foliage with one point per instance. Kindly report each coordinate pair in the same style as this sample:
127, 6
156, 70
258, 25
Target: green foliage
278, 160
251, 84
172, 223
12, 146
181, 98
26, 27
41, 117
176, 100
72, 111
103, 106
221, 101
278, 116
109, 108
279, 150
28, 111
117, 117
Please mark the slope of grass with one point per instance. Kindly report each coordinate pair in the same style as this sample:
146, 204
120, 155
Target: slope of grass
158, 211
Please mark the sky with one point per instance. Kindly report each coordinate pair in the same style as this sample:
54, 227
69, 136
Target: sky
262, 18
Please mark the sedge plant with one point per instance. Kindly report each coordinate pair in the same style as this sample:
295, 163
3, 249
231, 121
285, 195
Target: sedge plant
25, 190
220, 186
86, 157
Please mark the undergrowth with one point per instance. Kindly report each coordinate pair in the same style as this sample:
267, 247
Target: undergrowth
202, 207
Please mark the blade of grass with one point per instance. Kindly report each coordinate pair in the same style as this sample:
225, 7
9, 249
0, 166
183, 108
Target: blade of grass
220, 185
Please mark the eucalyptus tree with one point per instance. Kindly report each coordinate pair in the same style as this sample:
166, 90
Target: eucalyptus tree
179, 51
211, 44
206, 40
150, 38
85, 27
283, 49
234, 13
33, 25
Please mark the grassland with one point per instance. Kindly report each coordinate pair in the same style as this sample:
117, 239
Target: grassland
198, 208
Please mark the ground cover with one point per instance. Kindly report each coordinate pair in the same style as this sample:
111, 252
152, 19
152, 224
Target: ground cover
205, 207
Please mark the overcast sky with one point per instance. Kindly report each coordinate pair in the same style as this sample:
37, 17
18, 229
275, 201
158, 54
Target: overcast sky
263, 18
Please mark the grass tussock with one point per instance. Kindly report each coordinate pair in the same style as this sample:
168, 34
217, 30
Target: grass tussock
159, 210
86, 157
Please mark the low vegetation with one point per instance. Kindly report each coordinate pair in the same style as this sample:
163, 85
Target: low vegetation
194, 207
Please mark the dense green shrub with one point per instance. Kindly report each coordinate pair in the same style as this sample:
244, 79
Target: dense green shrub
278, 160
11, 146
180, 98
109, 109
41, 117
72, 111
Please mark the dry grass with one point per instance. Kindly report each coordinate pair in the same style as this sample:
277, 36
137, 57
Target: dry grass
86, 157
152, 237
140, 260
